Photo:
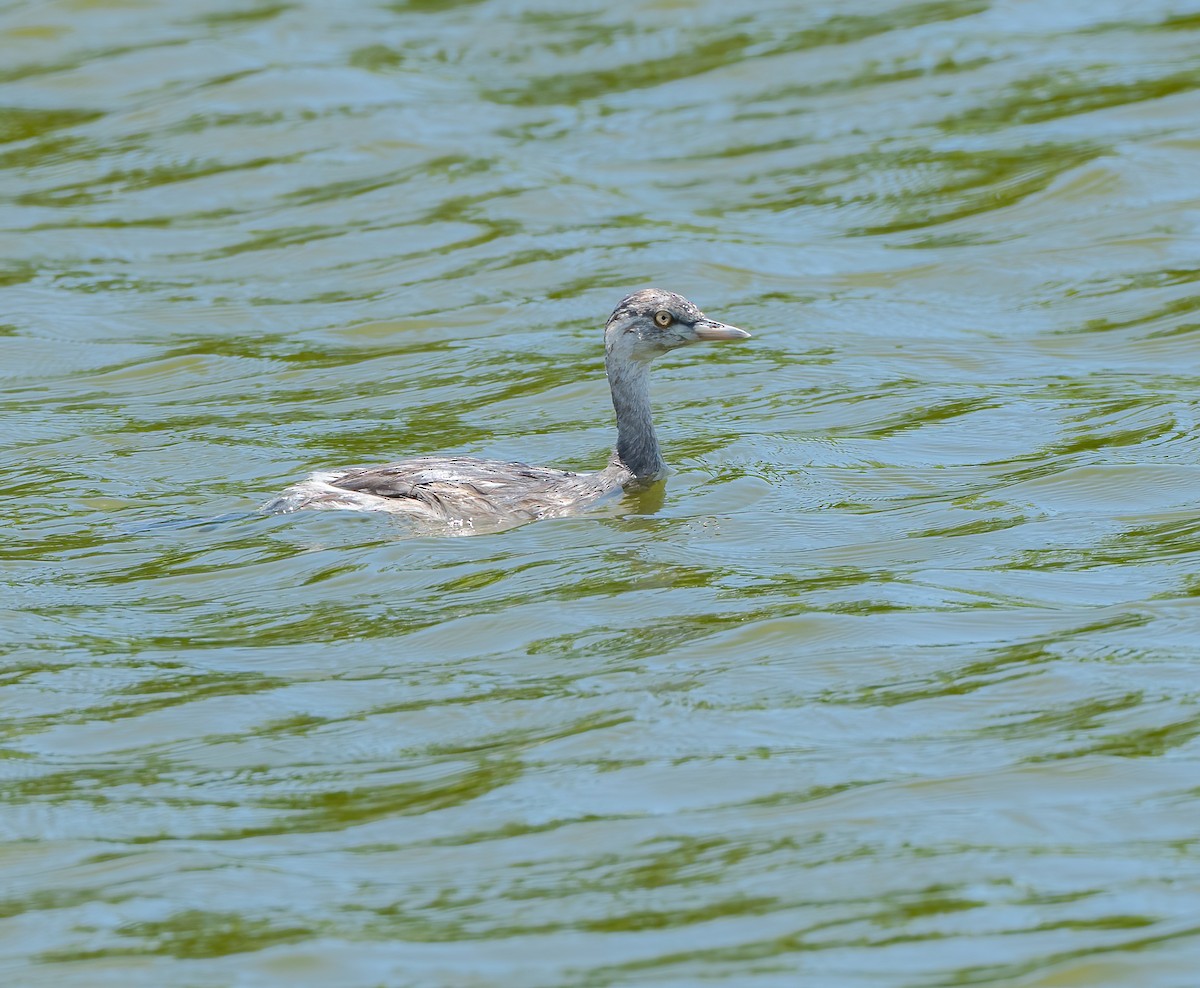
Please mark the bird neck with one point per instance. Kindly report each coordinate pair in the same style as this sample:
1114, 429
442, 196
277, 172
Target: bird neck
637, 446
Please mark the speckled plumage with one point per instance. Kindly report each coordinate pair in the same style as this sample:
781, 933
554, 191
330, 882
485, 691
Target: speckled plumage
465, 492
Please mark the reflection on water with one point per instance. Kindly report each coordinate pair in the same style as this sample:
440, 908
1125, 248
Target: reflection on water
891, 683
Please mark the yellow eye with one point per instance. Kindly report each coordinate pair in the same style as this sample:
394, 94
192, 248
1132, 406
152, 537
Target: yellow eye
662, 318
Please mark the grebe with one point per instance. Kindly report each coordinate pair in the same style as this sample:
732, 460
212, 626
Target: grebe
463, 491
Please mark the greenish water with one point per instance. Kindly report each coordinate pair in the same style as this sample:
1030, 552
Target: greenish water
895, 683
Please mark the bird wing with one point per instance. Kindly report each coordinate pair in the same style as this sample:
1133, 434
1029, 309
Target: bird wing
462, 486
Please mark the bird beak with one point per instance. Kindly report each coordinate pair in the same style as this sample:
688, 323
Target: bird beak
709, 330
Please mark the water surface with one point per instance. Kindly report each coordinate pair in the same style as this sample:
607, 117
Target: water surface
892, 684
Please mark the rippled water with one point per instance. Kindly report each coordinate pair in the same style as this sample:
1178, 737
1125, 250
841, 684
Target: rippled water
894, 683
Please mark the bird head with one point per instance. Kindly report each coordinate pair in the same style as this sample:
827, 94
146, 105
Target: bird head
651, 322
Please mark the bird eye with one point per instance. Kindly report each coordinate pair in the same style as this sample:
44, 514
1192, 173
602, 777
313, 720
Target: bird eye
663, 318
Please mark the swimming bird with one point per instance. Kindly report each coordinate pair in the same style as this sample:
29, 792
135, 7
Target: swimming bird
466, 492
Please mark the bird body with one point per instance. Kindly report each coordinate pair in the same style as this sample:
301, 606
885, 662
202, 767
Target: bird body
454, 489
465, 491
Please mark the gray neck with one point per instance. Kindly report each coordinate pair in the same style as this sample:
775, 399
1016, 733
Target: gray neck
637, 446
